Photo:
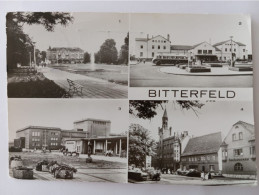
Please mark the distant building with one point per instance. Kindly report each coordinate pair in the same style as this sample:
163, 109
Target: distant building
63, 55
170, 146
146, 48
203, 153
238, 151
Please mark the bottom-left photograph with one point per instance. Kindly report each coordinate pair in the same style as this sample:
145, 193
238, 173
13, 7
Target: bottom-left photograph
79, 140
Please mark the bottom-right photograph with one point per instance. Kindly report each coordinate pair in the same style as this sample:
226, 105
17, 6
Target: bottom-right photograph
192, 142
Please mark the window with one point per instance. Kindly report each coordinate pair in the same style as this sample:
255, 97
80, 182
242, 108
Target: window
244, 50
252, 150
234, 49
238, 167
210, 51
204, 51
202, 158
213, 158
238, 152
158, 47
230, 49
153, 47
79, 129
141, 46
208, 157
164, 47
240, 135
141, 54
234, 137
226, 49
224, 153
153, 54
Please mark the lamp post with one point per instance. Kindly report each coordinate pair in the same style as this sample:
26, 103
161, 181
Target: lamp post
231, 57
34, 54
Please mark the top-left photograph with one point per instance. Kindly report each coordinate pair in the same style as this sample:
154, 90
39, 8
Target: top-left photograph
67, 55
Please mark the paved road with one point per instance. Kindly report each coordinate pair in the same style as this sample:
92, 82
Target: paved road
184, 180
148, 75
93, 87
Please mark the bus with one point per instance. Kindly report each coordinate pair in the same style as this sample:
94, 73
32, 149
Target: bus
169, 58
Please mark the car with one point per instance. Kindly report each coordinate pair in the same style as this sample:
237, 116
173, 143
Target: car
154, 175
137, 174
193, 173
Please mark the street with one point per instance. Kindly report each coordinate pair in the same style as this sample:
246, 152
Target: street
149, 75
183, 180
102, 169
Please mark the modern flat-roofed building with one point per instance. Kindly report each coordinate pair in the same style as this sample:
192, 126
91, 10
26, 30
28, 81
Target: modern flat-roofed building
69, 55
203, 153
238, 151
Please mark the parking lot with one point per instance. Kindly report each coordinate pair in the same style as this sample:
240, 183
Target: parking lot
100, 170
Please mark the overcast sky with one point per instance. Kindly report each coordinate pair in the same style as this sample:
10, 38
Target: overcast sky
62, 113
88, 31
212, 117
191, 29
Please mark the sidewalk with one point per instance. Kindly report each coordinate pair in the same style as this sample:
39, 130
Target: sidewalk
93, 87
224, 71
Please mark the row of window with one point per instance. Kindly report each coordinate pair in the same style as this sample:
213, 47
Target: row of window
199, 158
54, 133
99, 122
159, 41
54, 139
153, 47
235, 137
35, 144
53, 144
204, 51
239, 152
35, 139
35, 133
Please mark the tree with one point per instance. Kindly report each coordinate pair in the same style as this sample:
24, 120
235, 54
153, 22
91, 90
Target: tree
124, 52
147, 109
140, 145
19, 44
108, 53
87, 58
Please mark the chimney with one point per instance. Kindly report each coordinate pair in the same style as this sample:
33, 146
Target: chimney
168, 37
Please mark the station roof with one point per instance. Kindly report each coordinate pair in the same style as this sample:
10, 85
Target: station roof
65, 48
222, 42
205, 144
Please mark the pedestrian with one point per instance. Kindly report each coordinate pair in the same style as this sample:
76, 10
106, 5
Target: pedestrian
144, 61
209, 176
202, 176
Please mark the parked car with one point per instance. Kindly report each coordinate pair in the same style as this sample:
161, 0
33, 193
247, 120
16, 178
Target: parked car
153, 174
193, 173
137, 174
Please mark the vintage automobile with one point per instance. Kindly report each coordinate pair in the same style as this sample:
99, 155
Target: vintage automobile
144, 174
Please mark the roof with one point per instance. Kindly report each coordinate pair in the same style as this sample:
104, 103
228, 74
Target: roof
247, 126
181, 47
205, 144
147, 39
73, 131
38, 127
222, 42
92, 119
141, 39
109, 137
65, 48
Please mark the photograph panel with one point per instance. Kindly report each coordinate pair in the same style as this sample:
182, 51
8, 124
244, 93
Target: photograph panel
192, 143
62, 139
67, 55
190, 50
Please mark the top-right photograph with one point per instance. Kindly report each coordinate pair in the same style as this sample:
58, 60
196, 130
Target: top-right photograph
190, 50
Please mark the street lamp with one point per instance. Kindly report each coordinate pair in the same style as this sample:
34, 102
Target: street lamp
231, 37
34, 56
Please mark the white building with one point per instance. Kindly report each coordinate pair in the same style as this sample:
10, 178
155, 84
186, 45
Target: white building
238, 49
146, 48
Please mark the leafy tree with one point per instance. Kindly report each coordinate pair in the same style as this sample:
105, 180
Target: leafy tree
19, 44
147, 109
140, 145
108, 53
124, 52
87, 58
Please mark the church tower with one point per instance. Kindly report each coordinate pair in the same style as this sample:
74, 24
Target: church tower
165, 120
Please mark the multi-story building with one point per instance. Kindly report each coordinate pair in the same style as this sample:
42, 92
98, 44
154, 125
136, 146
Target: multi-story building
238, 151
62, 55
239, 50
88, 135
146, 48
203, 153
169, 147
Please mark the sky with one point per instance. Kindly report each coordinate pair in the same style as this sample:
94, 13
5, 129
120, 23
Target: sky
62, 113
191, 29
212, 117
88, 31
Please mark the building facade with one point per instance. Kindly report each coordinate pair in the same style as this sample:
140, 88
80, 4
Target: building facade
170, 146
63, 55
238, 151
146, 48
203, 154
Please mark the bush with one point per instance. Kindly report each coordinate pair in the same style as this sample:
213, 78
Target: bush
198, 69
35, 89
14, 149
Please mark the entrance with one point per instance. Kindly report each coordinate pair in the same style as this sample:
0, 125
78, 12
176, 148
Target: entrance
203, 168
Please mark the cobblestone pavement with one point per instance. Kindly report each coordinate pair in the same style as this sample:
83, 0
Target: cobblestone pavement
149, 75
184, 180
93, 87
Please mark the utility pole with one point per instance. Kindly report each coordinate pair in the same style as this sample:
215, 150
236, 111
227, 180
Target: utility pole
231, 37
